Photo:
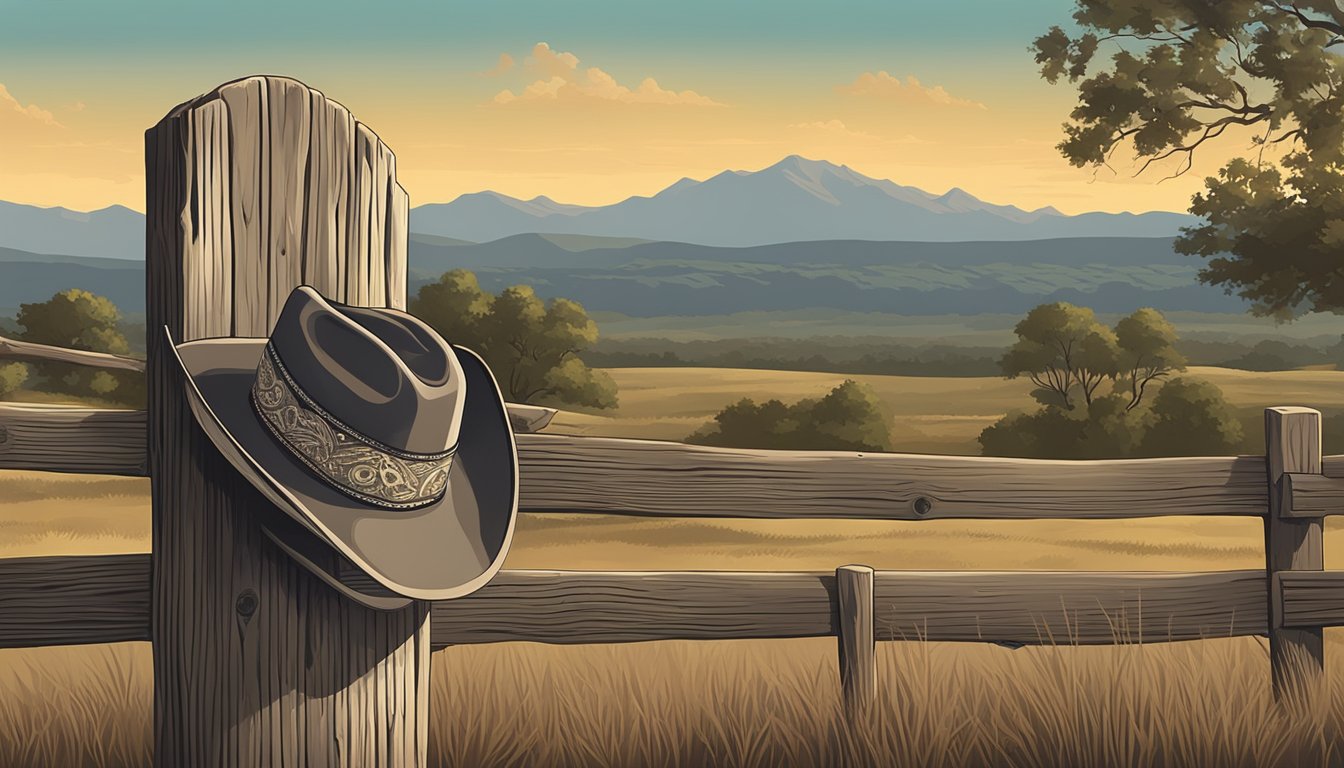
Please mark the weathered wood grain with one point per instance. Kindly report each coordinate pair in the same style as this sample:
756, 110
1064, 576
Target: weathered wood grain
576, 607
398, 238
256, 661
13, 349
856, 642
60, 438
1312, 599
93, 599
1292, 445
610, 475
73, 600
616, 476
1307, 495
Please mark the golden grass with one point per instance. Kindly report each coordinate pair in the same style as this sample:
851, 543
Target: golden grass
929, 414
758, 704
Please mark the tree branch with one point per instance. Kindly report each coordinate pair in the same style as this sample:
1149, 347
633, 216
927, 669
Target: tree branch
1309, 22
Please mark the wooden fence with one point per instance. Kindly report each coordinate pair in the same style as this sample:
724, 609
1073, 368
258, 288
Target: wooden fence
263, 184
69, 600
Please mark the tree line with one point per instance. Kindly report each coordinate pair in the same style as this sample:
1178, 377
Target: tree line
534, 347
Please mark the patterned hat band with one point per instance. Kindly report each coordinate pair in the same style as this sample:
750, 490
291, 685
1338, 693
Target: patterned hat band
354, 464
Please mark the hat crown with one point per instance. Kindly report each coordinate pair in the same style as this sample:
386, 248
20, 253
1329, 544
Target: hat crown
382, 373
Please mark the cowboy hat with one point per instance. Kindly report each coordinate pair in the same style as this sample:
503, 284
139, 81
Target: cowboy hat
388, 449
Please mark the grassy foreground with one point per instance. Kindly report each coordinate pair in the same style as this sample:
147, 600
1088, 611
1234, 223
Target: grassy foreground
748, 703
756, 704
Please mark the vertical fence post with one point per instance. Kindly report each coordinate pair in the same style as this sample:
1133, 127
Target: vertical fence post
1292, 444
252, 189
856, 639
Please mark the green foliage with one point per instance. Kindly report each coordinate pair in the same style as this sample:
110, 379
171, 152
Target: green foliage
1146, 351
1182, 72
1067, 353
1061, 346
1190, 418
76, 319
79, 319
12, 376
531, 346
848, 418
1106, 429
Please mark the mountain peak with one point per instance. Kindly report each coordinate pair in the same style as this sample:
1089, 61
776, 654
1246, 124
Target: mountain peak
795, 199
800, 163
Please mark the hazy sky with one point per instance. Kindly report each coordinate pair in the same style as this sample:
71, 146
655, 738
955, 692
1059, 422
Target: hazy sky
585, 102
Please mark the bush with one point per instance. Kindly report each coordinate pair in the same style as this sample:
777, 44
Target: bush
1190, 418
12, 376
848, 418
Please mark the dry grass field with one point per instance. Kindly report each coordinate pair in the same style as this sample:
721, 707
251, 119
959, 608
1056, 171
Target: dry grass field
929, 414
756, 703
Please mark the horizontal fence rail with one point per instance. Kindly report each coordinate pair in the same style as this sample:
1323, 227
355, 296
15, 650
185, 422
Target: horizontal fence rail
105, 598
561, 473
27, 350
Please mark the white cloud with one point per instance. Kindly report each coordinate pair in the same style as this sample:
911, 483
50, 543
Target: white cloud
883, 85
11, 108
547, 63
561, 79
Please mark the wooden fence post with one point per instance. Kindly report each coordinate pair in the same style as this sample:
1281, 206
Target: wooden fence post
857, 641
252, 189
1292, 444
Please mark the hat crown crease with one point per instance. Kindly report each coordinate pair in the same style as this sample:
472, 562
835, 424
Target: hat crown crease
349, 370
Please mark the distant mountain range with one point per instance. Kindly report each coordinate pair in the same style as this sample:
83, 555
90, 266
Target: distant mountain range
794, 200
114, 232
647, 279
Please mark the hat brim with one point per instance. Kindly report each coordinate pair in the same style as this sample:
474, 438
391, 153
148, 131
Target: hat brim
445, 550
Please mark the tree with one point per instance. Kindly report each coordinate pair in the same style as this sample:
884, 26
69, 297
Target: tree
848, 418
532, 347
79, 319
1063, 349
453, 305
1183, 73
1147, 345
1191, 418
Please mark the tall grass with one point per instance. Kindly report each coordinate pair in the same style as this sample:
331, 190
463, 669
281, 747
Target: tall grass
759, 704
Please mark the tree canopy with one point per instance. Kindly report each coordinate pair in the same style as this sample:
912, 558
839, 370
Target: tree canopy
79, 319
1146, 345
1064, 350
1181, 73
533, 347
1068, 353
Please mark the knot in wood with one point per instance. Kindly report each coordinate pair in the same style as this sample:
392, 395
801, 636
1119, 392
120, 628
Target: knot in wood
923, 506
247, 604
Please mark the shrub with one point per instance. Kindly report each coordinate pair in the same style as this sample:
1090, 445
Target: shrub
848, 418
1190, 418
12, 376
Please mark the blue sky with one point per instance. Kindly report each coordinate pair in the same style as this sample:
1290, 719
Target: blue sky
952, 95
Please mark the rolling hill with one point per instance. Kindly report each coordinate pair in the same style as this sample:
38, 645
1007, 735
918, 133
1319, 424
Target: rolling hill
651, 279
